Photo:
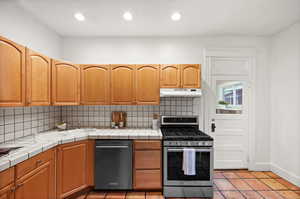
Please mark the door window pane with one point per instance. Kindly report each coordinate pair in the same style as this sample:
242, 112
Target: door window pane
229, 97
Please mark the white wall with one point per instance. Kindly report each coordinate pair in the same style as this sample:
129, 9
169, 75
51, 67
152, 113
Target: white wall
19, 26
285, 103
133, 50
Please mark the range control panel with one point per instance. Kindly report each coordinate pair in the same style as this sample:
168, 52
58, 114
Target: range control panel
188, 143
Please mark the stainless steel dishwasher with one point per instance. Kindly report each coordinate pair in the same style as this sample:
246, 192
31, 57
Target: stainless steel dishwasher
113, 165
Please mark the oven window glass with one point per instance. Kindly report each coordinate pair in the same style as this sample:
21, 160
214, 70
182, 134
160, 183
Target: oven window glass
176, 173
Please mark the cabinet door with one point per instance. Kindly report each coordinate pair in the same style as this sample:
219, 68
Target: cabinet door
147, 180
7, 178
147, 159
38, 184
147, 84
7, 192
38, 79
190, 76
90, 163
65, 83
71, 168
123, 84
12, 73
170, 76
95, 82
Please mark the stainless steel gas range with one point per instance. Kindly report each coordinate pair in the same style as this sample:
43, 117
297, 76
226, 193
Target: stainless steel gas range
181, 133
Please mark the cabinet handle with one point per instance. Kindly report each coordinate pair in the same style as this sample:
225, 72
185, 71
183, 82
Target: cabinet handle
19, 185
12, 189
38, 162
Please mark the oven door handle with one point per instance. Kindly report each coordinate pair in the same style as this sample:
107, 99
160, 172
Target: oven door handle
197, 150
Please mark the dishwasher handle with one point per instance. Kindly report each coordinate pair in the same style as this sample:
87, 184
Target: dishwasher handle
112, 147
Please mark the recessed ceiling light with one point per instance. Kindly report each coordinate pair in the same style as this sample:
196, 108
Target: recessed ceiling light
127, 16
79, 16
176, 16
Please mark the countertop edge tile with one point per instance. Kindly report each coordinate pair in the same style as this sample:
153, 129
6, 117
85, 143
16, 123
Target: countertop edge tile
35, 151
17, 159
4, 164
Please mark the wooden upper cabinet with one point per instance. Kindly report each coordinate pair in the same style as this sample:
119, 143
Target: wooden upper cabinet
12, 73
122, 84
147, 84
170, 76
72, 168
190, 76
38, 79
65, 83
95, 84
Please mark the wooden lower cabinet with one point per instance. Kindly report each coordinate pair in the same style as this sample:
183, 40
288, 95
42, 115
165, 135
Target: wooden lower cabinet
35, 177
37, 184
147, 165
72, 168
91, 163
7, 183
63, 171
147, 179
147, 159
7, 192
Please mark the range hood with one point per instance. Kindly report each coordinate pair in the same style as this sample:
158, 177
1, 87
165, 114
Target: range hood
180, 92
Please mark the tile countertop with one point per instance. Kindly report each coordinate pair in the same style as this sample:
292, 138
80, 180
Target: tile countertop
52, 138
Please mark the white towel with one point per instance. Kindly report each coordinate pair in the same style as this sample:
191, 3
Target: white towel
189, 161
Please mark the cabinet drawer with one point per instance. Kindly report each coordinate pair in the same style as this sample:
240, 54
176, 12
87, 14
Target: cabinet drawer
147, 144
147, 179
6, 177
34, 162
147, 159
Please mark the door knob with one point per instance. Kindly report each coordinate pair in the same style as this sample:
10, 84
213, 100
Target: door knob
213, 125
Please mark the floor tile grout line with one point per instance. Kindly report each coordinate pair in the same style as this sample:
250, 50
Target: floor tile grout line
274, 189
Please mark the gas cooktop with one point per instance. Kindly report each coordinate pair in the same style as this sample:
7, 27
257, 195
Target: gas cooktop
182, 128
184, 133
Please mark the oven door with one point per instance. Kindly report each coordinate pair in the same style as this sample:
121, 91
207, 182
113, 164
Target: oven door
174, 175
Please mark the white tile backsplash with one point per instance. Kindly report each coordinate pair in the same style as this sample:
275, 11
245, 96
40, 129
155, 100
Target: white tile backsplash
17, 122
137, 116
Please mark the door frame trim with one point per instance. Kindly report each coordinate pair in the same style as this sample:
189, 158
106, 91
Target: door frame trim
244, 53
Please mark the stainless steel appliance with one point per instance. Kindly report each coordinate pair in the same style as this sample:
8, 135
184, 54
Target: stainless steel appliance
113, 165
180, 132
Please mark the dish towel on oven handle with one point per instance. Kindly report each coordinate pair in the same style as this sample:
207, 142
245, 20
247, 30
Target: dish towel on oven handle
189, 161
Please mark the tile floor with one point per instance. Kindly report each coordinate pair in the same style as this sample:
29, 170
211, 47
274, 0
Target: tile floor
228, 184
244, 184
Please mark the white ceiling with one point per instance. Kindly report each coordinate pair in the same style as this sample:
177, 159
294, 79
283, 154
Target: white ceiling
152, 17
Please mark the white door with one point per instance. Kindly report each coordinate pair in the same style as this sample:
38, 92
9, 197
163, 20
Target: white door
227, 101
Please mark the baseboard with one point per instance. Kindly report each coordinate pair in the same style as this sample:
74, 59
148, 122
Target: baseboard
285, 174
259, 166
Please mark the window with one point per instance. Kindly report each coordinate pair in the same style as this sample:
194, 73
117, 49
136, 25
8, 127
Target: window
229, 96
